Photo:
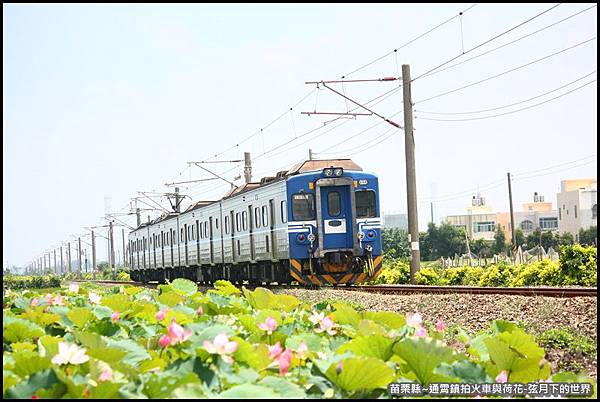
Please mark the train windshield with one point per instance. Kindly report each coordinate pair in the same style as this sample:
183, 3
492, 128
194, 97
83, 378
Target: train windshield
303, 207
365, 204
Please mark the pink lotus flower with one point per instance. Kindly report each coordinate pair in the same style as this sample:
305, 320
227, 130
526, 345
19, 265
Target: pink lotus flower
69, 354
275, 351
285, 359
440, 326
49, 299
269, 325
164, 341
502, 377
221, 346
177, 333
74, 288
58, 301
302, 351
160, 315
316, 318
421, 332
106, 375
414, 321
199, 311
115, 316
34, 302
326, 325
94, 298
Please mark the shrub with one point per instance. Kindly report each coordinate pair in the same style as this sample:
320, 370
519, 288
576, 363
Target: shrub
497, 275
30, 282
563, 338
123, 276
427, 276
454, 276
394, 272
578, 265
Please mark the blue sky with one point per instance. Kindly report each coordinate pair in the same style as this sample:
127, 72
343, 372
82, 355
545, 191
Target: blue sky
107, 100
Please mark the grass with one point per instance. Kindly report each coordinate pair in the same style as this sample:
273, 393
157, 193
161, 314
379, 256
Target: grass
564, 338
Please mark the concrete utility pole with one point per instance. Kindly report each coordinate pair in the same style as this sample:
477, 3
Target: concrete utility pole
69, 255
512, 217
177, 200
62, 265
112, 250
93, 256
79, 259
247, 167
310, 155
55, 270
411, 182
432, 212
123, 237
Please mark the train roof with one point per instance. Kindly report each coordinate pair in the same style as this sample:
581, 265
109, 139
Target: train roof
311, 165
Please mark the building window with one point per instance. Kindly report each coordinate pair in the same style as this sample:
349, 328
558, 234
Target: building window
594, 211
303, 206
365, 204
575, 209
527, 225
548, 223
484, 227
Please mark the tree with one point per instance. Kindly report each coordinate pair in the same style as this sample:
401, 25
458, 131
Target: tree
443, 241
481, 247
395, 243
499, 244
565, 239
588, 237
519, 237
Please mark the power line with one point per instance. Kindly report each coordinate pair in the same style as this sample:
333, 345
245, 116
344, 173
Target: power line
512, 104
506, 44
487, 41
556, 171
513, 111
554, 166
408, 43
505, 72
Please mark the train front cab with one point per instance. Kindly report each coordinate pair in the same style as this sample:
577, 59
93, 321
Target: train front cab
334, 227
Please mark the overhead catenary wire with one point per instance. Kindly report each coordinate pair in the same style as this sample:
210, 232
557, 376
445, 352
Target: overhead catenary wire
506, 44
505, 72
513, 111
487, 41
511, 104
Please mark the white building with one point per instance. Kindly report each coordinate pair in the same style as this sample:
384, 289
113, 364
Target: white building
577, 205
534, 215
479, 222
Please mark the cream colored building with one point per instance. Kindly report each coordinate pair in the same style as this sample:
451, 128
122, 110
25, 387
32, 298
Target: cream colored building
533, 215
577, 205
479, 222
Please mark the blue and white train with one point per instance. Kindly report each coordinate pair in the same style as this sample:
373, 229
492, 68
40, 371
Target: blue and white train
318, 223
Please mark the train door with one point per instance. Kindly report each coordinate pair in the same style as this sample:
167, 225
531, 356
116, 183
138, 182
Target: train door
336, 213
232, 223
162, 247
210, 236
172, 242
185, 236
250, 231
272, 221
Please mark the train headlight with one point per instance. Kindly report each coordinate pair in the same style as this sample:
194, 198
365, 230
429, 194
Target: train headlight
300, 237
328, 172
370, 234
338, 172
360, 235
311, 237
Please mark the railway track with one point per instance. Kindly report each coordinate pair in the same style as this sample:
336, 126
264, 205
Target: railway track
412, 289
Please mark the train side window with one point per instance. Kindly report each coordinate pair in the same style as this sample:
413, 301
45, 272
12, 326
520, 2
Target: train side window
237, 222
182, 235
205, 229
244, 220
283, 212
216, 223
265, 217
257, 217
303, 206
227, 224
334, 204
365, 204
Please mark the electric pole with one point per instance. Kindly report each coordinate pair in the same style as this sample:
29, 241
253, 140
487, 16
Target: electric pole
112, 250
512, 217
79, 258
62, 265
432, 212
69, 255
411, 183
55, 270
310, 155
247, 167
93, 256
123, 255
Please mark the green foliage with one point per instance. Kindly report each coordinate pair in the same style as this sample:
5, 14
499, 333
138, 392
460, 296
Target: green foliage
427, 276
589, 236
15, 282
394, 272
578, 265
499, 245
564, 338
356, 356
395, 243
442, 241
